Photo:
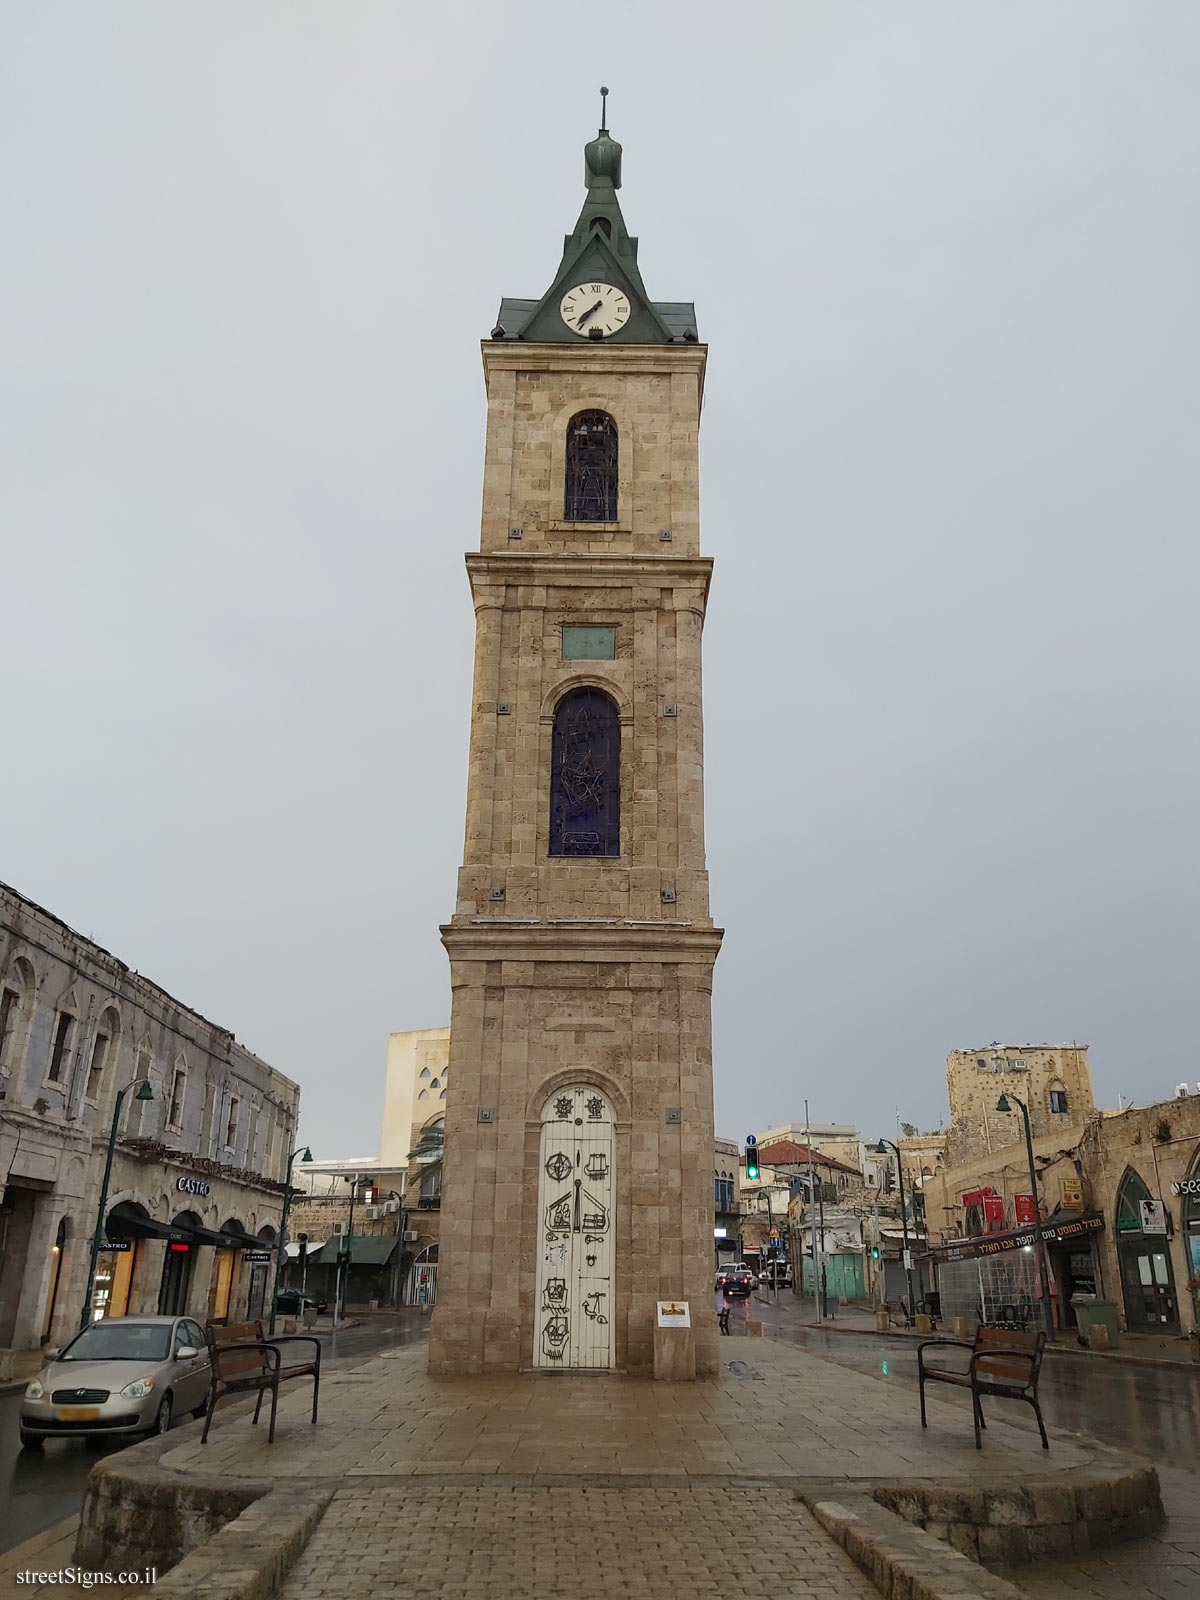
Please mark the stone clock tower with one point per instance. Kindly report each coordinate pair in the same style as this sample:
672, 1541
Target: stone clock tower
579, 1128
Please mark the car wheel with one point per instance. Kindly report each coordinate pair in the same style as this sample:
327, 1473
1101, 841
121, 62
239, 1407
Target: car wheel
202, 1410
162, 1417
31, 1441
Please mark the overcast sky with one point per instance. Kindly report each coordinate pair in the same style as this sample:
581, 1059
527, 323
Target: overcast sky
945, 257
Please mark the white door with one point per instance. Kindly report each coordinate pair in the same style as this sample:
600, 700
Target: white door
575, 1232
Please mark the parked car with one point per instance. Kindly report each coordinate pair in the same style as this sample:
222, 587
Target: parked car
119, 1377
740, 1281
723, 1273
291, 1302
777, 1274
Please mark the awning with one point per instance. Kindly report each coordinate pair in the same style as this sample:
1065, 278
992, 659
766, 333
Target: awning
996, 1243
292, 1251
123, 1227
366, 1250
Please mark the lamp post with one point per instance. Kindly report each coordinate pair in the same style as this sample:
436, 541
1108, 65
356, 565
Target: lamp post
401, 1221
881, 1149
144, 1092
305, 1154
1047, 1309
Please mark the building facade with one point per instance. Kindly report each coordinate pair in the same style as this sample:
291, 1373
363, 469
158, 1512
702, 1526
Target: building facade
195, 1195
1052, 1080
579, 1123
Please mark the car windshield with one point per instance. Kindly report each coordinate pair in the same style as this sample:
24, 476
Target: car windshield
120, 1341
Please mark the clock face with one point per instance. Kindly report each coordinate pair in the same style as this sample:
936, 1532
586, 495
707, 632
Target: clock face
591, 306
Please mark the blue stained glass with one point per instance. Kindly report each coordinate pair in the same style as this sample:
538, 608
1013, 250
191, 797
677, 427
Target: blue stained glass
585, 776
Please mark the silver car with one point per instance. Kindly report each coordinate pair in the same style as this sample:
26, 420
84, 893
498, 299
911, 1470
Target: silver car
120, 1377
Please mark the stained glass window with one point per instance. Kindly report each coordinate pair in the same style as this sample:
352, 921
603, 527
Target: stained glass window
585, 776
591, 478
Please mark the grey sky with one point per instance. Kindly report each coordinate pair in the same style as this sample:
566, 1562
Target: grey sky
945, 257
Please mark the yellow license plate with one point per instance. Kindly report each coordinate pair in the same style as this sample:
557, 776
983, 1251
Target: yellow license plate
78, 1413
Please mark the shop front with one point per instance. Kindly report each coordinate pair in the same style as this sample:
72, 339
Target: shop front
1144, 1256
997, 1278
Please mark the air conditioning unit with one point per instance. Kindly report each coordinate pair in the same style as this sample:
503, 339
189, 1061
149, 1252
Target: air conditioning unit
373, 1213
410, 1236
390, 1207
341, 1229
1181, 1090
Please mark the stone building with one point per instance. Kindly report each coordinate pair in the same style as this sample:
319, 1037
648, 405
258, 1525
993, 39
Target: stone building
195, 1195
1118, 1197
1052, 1080
727, 1208
579, 1122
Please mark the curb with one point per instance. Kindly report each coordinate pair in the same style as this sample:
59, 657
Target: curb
903, 1562
21, 1555
249, 1557
1181, 1364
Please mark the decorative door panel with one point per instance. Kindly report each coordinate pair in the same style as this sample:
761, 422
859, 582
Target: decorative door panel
574, 1326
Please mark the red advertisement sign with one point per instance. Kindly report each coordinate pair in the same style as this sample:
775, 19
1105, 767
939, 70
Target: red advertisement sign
1026, 1209
993, 1211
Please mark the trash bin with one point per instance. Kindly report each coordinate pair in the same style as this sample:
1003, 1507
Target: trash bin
1089, 1310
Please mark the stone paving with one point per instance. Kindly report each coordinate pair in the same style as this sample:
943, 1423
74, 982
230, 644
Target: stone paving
775, 1412
489, 1542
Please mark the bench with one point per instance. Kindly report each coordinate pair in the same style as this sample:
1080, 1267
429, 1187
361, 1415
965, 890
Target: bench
1004, 1361
243, 1361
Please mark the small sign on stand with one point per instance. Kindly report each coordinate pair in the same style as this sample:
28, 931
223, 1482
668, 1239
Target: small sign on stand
674, 1314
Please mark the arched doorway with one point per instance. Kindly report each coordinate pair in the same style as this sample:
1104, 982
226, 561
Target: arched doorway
1189, 1194
574, 1327
1147, 1281
259, 1272
422, 1278
177, 1269
223, 1274
118, 1258
57, 1251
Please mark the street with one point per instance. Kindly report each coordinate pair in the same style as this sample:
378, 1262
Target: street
38, 1489
1154, 1411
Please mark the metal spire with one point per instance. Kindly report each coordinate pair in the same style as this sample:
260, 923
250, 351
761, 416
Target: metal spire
603, 109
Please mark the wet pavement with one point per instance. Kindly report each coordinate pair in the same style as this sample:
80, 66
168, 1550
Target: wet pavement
40, 1488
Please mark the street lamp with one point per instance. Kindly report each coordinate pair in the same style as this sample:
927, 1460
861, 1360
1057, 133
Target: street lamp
881, 1149
305, 1154
1047, 1310
144, 1092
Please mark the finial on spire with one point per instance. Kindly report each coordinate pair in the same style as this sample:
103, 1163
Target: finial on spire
603, 109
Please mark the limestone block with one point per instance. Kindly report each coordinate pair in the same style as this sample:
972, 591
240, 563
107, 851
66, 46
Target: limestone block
674, 1354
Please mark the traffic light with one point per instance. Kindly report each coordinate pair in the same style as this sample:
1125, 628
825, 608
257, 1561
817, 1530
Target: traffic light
751, 1163
874, 1252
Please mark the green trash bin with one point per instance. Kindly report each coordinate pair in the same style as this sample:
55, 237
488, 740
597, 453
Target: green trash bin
1089, 1311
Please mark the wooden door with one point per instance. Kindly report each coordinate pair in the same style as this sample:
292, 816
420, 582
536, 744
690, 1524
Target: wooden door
574, 1327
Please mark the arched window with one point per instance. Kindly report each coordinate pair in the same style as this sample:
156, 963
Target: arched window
1056, 1096
103, 1045
16, 994
585, 776
1129, 1202
591, 477
1191, 1216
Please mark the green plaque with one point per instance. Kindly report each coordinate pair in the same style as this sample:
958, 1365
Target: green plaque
588, 644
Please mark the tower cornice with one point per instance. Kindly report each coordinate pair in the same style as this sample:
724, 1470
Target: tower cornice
600, 358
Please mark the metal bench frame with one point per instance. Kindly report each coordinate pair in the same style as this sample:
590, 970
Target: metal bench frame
265, 1373
1004, 1362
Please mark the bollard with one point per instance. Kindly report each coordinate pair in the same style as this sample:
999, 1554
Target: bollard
924, 1323
883, 1321
964, 1328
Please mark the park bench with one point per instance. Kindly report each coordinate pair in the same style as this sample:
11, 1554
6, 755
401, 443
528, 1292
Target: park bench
244, 1362
1004, 1361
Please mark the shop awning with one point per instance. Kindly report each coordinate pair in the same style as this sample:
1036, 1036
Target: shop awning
123, 1227
366, 1250
992, 1244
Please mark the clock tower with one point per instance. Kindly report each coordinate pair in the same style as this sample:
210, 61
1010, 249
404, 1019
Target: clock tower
577, 1187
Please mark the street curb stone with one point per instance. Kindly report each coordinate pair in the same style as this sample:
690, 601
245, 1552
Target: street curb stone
902, 1561
249, 1558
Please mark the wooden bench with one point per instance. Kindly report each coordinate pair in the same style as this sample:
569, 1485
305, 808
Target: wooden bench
243, 1361
1004, 1361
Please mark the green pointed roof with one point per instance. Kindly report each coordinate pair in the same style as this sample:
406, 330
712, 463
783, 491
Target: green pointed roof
600, 247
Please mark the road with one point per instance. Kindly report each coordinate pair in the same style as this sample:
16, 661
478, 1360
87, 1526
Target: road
1154, 1411
38, 1489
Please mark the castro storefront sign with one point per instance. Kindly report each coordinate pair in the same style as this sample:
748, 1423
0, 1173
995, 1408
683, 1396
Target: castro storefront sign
968, 1249
193, 1186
